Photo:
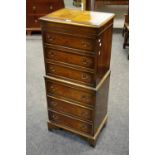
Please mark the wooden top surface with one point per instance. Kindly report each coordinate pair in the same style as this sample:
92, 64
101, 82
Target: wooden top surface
79, 17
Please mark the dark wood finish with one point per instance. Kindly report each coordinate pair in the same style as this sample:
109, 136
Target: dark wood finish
37, 8
68, 58
70, 73
77, 66
70, 92
69, 108
69, 41
70, 122
100, 40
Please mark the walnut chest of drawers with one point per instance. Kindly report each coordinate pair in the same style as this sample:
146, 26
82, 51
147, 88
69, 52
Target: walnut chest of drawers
77, 51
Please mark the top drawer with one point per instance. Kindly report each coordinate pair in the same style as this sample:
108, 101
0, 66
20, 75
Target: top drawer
43, 6
69, 41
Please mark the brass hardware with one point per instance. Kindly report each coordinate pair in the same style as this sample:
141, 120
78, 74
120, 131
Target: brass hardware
51, 7
85, 61
51, 53
55, 117
99, 40
34, 7
54, 104
99, 53
84, 98
84, 114
36, 21
50, 38
84, 76
52, 88
85, 44
83, 127
100, 44
52, 69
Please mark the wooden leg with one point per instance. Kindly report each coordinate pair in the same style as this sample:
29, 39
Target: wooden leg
29, 32
126, 39
92, 142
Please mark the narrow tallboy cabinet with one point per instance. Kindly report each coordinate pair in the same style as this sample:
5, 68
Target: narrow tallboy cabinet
77, 51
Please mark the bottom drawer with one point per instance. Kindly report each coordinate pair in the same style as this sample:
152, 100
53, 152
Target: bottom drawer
70, 122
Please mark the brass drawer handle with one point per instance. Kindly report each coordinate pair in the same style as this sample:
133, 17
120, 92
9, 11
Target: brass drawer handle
85, 114
52, 89
85, 44
54, 104
34, 7
52, 69
83, 127
99, 40
84, 98
51, 54
50, 38
51, 7
84, 76
36, 21
54, 117
85, 61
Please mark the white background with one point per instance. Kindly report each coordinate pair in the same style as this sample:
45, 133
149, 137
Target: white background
13, 77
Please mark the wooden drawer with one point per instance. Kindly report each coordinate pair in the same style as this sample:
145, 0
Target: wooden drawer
70, 58
70, 92
43, 7
70, 73
32, 21
70, 122
70, 109
69, 41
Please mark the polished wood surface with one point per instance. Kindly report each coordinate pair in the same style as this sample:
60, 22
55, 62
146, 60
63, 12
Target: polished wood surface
37, 8
70, 108
79, 17
77, 53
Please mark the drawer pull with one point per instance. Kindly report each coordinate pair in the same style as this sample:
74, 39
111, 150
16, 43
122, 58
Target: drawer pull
99, 40
84, 76
51, 7
83, 127
52, 69
34, 7
85, 61
85, 98
52, 89
51, 54
55, 117
85, 114
50, 38
36, 21
100, 44
54, 104
85, 44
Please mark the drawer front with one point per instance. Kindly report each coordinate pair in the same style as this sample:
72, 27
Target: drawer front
70, 122
70, 109
70, 93
33, 21
69, 41
43, 7
70, 58
72, 74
